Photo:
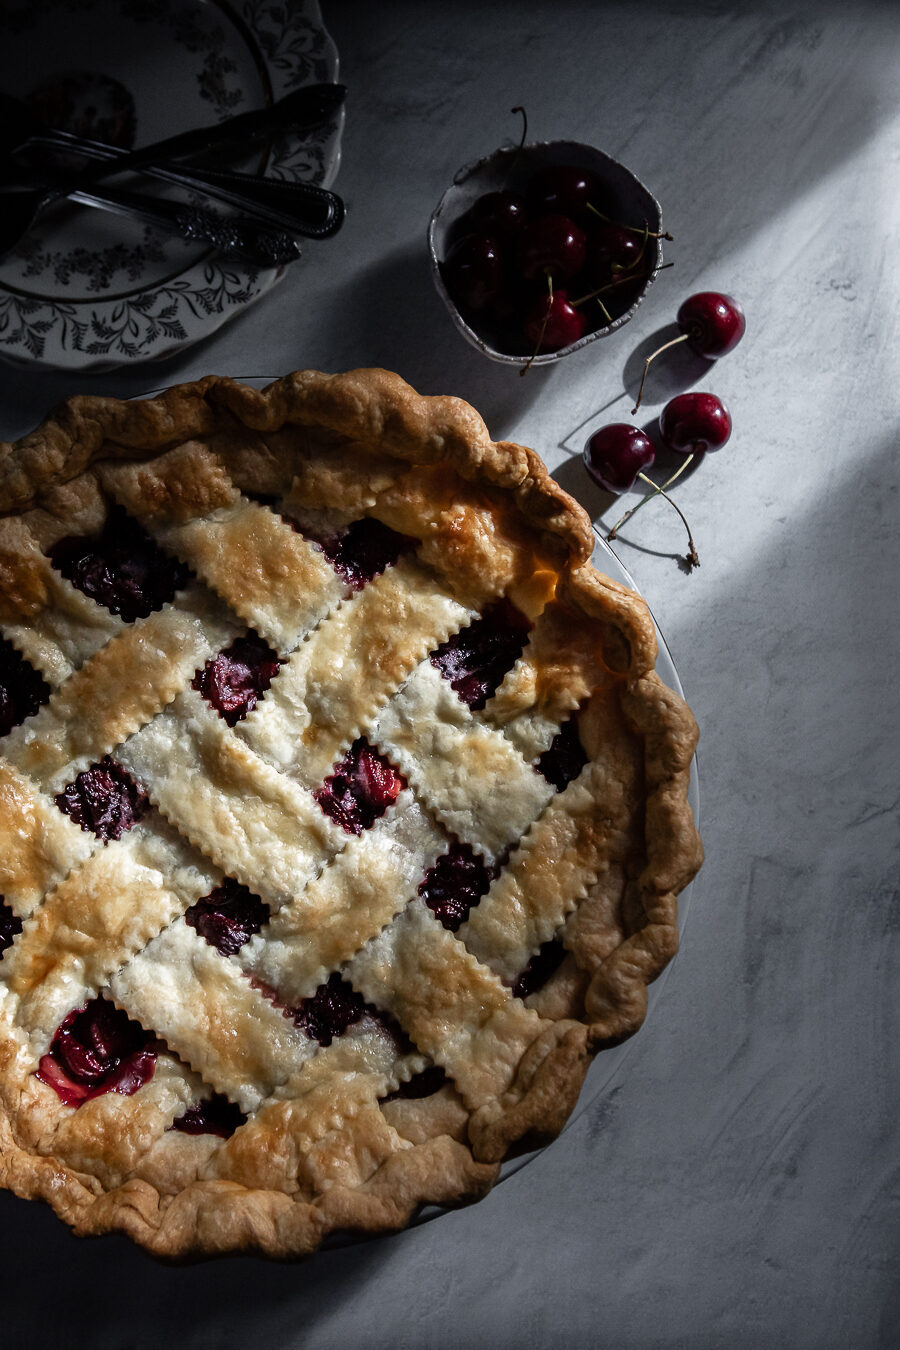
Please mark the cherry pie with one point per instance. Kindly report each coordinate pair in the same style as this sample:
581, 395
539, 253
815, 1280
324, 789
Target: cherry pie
342, 814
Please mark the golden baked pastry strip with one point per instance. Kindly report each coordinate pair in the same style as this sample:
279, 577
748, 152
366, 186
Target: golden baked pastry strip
454, 1009
347, 904
97, 918
209, 1013
325, 1127
277, 581
257, 825
43, 615
38, 844
467, 773
559, 667
544, 881
330, 690
118, 690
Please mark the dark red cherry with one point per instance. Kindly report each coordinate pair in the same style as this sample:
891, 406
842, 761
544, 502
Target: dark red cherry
713, 323
500, 214
121, 567
22, 689
330, 1010
615, 455
235, 680
105, 799
710, 323
228, 917
569, 191
213, 1115
423, 1084
612, 248
551, 245
361, 788
97, 1049
553, 322
539, 969
693, 423
475, 659
455, 883
473, 272
565, 756
10, 925
365, 550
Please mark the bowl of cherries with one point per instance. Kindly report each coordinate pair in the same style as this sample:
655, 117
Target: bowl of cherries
539, 249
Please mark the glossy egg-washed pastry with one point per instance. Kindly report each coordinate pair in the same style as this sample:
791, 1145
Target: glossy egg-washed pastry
342, 814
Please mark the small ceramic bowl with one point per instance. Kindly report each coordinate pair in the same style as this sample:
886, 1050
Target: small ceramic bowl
512, 167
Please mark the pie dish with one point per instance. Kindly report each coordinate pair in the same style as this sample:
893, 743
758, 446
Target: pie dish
342, 813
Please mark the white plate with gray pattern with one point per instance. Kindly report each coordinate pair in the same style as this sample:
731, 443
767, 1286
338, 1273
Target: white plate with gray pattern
86, 290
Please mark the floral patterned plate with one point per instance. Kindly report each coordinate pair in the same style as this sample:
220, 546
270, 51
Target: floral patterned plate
86, 290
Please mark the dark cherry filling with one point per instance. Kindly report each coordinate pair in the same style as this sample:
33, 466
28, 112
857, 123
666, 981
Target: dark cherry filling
367, 548
361, 788
539, 968
10, 925
423, 1084
22, 689
212, 1115
475, 659
97, 1049
564, 758
104, 799
228, 917
455, 883
330, 1010
121, 568
335, 1006
234, 681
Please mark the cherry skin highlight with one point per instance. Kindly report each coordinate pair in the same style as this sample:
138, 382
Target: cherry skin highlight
710, 323
474, 273
568, 191
553, 246
611, 247
615, 455
553, 322
499, 214
713, 323
104, 799
694, 423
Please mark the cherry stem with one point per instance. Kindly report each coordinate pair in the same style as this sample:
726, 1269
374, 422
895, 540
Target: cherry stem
632, 229
660, 491
619, 281
537, 345
519, 109
518, 150
652, 357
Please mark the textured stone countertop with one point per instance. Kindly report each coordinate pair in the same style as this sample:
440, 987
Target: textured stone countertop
730, 1185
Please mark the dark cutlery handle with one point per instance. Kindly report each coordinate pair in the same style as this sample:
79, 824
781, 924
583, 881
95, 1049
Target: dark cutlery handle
315, 211
303, 109
231, 236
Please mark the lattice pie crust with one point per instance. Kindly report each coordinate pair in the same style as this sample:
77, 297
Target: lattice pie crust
238, 484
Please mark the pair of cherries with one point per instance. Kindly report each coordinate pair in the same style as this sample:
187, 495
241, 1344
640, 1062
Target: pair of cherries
536, 269
690, 424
